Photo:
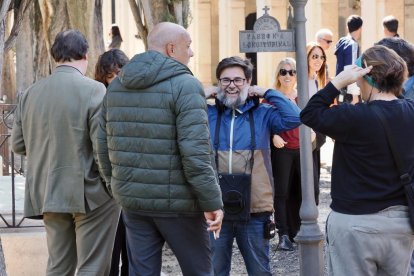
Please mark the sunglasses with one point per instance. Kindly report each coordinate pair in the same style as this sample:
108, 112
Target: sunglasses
284, 72
316, 56
327, 40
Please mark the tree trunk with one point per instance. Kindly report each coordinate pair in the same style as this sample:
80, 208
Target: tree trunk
8, 76
45, 19
155, 11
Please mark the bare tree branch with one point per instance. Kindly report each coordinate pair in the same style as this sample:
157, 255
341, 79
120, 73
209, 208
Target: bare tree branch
147, 8
136, 12
11, 40
178, 12
5, 4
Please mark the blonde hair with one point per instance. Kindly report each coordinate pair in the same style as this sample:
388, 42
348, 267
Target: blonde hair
321, 74
284, 61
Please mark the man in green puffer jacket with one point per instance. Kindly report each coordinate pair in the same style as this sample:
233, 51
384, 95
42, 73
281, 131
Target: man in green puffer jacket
155, 154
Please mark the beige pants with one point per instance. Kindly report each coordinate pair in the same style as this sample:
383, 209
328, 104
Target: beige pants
370, 245
81, 242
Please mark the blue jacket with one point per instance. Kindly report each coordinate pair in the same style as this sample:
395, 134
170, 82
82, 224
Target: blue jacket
347, 52
409, 88
234, 149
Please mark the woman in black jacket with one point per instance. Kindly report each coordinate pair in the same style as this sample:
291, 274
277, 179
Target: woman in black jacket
368, 230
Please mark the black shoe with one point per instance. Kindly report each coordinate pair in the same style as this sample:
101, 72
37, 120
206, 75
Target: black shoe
284, 243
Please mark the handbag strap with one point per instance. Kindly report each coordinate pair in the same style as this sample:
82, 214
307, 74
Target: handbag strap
404, 176
252, 135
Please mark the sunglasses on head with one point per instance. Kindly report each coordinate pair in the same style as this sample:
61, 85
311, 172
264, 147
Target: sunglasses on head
316, 56
284, 72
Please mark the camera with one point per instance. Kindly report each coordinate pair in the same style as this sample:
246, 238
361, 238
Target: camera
270, 230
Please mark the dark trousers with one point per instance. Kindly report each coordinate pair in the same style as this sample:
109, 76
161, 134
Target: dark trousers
120, 251
288, 196
288, 189
187, 237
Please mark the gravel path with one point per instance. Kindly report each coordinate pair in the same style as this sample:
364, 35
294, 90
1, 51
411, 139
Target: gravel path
282, 263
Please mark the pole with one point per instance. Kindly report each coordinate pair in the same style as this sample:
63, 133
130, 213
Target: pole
113, 19
310, 236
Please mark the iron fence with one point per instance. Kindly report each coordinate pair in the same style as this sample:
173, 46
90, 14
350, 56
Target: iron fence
9, 166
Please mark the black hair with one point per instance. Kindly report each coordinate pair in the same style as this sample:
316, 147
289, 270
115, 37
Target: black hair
69, 45
108, 63
391, 24
354, 22
115, 32
235, 61
403, 48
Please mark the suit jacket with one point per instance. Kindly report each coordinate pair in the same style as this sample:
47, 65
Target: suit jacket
55, 126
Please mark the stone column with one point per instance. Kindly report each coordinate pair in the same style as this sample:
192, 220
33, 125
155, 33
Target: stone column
310, 236
408, 21
325, 14
231, 14
203, 44
372, 12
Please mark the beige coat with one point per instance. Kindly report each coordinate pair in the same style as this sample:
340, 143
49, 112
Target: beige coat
55, 123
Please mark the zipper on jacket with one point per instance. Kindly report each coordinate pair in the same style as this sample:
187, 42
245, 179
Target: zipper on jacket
233, 117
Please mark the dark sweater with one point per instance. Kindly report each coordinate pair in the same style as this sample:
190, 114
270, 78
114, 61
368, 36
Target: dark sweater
364, 177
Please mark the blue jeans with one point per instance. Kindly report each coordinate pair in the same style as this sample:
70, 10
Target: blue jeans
251, 242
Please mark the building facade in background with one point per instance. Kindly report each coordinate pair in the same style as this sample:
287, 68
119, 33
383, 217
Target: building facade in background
215, 27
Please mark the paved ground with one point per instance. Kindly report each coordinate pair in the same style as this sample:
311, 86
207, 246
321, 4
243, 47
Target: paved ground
19, 241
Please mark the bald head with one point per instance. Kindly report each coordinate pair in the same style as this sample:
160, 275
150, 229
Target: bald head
171, 40
164, 33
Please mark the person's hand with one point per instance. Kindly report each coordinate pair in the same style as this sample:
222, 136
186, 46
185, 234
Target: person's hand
278, 141
313, 135
257, 91
211, 91
214, 220
350, 75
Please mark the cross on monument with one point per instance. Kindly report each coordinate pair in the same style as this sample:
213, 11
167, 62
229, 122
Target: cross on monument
265, 10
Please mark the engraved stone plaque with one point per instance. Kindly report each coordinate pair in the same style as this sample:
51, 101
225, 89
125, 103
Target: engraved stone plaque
267, 37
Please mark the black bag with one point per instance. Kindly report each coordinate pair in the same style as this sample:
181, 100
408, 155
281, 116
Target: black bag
409, 194
236, 191
404, 176
236, 187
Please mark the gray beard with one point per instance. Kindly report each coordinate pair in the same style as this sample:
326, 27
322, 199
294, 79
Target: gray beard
222, 97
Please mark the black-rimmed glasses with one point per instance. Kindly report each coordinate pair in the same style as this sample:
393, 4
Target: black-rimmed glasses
284, 72
236, 81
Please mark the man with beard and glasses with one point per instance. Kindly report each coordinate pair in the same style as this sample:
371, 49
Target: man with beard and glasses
240, 128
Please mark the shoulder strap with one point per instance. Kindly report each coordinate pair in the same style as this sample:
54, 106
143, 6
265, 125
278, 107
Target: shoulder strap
252, 134
404, 176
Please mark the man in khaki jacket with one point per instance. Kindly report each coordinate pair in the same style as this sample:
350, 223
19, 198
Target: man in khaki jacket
55, 126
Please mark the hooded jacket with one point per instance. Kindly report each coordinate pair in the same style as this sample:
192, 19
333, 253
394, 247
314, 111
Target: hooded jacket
234, 148
347, 52
154, 143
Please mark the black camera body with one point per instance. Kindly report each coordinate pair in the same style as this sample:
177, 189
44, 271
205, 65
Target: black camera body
269, 230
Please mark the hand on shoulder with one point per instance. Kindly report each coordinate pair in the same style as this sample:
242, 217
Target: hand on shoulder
257, 91
211, 91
